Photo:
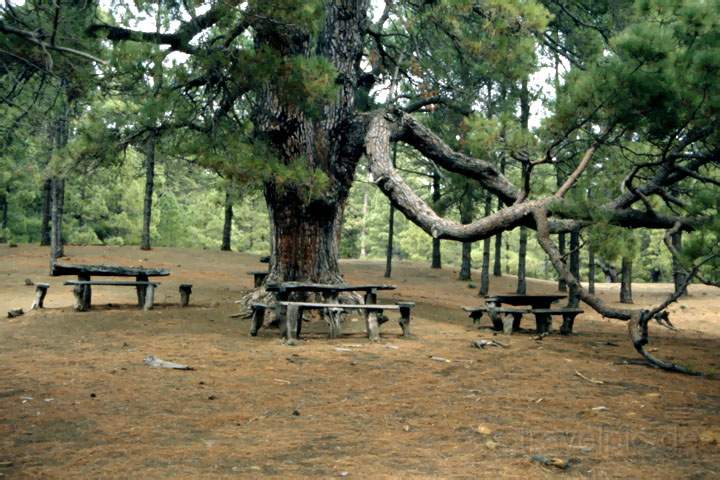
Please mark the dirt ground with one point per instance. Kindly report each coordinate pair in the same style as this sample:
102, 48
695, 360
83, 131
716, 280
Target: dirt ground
76, 400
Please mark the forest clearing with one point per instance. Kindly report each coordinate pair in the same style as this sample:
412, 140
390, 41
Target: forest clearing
360, 238
254, 407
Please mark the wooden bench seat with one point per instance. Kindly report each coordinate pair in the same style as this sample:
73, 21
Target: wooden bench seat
83, 294
258, 277
508, 319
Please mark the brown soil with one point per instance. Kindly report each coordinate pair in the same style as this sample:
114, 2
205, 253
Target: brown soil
256, 408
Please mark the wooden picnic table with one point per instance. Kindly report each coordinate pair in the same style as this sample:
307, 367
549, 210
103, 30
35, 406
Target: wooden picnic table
508, 318
516, 299
86, 272
289, 325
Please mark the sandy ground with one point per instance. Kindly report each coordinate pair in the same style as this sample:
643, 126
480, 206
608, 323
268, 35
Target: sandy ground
76, 400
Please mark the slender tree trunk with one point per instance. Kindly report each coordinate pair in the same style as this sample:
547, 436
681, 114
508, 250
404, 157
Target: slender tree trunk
363, 228
58, 201
574, 299
678, 271
436, 255
562, 285
466, 209
391, 227
522, 248
227, 224
46, 207
497, 263
149, 187
3, 218
522, 254
591, 269
626, 281
485, 272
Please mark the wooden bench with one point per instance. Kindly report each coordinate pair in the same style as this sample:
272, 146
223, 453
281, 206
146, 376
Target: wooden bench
512, 317
258, 277
331, 313
83, 294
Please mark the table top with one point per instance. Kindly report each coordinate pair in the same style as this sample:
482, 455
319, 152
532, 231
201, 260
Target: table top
322, 287
58, 269
519, 299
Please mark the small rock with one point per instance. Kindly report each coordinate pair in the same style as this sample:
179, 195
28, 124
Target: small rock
92, 395
406, 428
472, 285
600, 408
483, 430
440, 359
211, 397
554, 462
343, 474
296, 413
15, 312
29, 282
491, 445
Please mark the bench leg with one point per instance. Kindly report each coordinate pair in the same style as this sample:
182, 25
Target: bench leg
294, 315
405, 321
78, 292
332, 317
372, 327
476, 317
496, 320
141, 289
568, 323
508, 321
86, 293
258, 317
149, 297
517, 318
185, 293
542, 321
40, 292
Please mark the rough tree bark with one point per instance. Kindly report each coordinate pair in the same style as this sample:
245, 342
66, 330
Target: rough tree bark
436, 254
522, 261
522, 247
46, 212
58, 202
227, 224
149, 188
363, 228
485, 272
626, 281
305, 232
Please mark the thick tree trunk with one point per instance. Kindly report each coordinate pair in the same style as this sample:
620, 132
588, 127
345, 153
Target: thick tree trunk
485, 272
149, 187
522, 257
679, 273
436, 254
58, 202
227, 224
305, 228
626, 281
46, 212
574, 297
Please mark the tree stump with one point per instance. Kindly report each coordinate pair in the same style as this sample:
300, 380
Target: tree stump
40, 292
79, 291
185, 291
405, 308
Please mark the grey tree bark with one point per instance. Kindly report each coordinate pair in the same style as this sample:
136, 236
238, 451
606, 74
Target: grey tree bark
58, 203
626, 281
574, 297
591, 269
497, 263
522, 260
391, 226
466, 216
679, 274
